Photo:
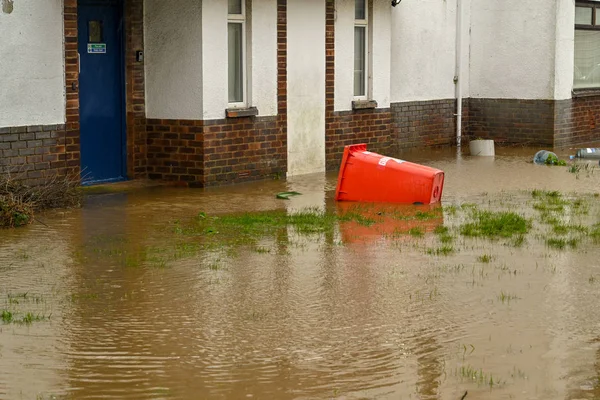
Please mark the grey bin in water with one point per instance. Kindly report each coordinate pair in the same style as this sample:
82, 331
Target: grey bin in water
541, 156
591, 153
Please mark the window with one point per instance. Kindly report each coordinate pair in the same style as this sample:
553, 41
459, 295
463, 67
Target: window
587, 46
236, 42
361, 27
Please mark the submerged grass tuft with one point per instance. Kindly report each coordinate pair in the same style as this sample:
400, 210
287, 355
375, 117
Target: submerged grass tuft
560, 243
485, 258
441, 251
416, 232
478, 376
506, 297
492, 224
9, 317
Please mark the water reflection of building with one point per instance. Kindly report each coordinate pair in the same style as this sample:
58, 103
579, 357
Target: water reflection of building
35, 278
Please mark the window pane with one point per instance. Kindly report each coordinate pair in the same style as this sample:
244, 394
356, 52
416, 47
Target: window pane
94, 31
587, 59
360, 57
583, 16
235, 6
236, 63
360, 9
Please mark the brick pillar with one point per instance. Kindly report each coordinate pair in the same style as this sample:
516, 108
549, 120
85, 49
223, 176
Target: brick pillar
282, 71
330, 159
329, 59
71, 133
135, 95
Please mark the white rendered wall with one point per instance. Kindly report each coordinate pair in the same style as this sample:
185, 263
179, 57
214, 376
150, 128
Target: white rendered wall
565, 49
214, 60
306, 86
263, 80
424, 50
32, 73
379, 68
381, 48
512, 49
173, 59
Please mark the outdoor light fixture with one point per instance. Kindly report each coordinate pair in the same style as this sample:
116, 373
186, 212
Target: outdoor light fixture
395, 2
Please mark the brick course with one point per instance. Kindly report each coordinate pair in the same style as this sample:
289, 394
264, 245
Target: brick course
512, 120
424, 123
34, 152
214, 152
577, 121
135, 91
350, 127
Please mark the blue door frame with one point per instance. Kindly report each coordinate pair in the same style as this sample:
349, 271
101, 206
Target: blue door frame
102, 90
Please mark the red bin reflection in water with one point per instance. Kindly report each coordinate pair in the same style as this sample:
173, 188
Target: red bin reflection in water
370, 222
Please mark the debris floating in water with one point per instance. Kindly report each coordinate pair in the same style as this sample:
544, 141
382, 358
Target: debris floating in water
287, 195
547, 158
589, 153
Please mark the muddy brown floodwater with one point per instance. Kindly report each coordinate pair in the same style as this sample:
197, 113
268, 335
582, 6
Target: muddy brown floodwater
109, 302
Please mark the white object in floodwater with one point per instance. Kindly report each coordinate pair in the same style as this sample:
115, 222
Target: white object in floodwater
541, 156
482, 147
589, 153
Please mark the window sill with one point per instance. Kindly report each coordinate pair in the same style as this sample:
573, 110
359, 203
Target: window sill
364, 104
575, 93
241, 112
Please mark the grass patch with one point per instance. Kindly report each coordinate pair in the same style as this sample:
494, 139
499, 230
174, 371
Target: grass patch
444, 234
561, 229
492, 224
9, 317
561, 244
478, 376
595, 233
416, 232
441, 251
485, 258
247, 228
517, 241
506, 297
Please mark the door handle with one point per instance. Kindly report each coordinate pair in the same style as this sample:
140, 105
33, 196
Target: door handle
79, 63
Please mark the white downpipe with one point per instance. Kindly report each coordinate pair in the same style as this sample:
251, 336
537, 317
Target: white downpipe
457, 76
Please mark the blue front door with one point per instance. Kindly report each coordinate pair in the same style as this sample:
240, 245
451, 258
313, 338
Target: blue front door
101, 90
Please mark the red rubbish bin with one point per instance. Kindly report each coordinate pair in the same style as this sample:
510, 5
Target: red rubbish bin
371, 177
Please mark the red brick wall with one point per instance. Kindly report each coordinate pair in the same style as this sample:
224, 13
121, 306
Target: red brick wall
350, 127
424, 123
512, 120
34, 152
243, 149
342, 128
208, 153
175, 150
577, 121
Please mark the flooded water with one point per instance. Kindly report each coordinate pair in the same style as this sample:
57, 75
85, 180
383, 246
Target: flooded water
122, 306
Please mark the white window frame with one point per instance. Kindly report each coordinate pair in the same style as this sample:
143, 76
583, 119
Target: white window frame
363, 23
239, 19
